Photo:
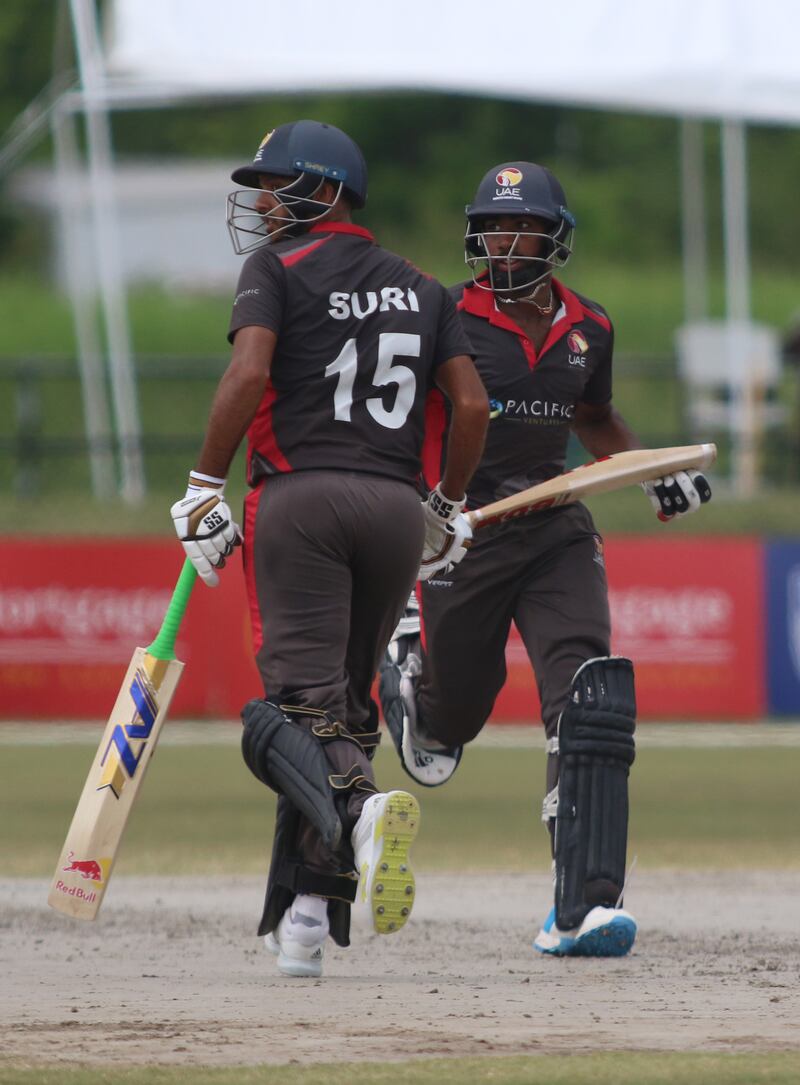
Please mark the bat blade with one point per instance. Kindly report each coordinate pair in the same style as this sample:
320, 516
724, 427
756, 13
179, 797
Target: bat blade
610, 473
113, 784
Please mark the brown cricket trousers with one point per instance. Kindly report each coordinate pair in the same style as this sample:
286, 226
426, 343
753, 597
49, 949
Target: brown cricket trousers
330, 558
545, 572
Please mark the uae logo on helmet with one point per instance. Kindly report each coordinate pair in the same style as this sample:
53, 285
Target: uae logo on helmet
577, 343
508, 178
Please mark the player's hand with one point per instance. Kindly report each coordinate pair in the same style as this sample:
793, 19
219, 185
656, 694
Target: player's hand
205, 525
678, 494
447, 534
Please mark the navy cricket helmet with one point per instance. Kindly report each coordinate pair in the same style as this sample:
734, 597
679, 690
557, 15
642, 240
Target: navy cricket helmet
307, 153
524, 190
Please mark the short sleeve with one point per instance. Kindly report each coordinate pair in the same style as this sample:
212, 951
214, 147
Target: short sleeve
260, 295
597, 390
451, 339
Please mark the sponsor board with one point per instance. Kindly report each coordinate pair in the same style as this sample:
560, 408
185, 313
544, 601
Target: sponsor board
689, 612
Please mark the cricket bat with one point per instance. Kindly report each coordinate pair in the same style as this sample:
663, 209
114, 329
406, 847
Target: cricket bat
119, 766
609, 473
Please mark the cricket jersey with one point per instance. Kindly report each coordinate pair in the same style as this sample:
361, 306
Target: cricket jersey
532, 396
360, 334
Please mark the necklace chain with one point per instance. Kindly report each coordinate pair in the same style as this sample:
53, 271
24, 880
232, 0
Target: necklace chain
545, 310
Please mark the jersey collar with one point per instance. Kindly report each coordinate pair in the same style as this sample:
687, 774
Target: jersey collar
481, 303
341, 228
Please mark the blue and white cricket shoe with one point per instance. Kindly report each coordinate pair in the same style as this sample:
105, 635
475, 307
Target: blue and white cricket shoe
605, 932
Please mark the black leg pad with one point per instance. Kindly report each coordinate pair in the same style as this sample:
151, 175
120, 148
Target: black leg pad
596, 750
288, 877
290, 760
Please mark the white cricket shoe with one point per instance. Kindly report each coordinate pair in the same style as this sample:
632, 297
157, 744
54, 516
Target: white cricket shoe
299, 939
605, 932
381, 840
426, 761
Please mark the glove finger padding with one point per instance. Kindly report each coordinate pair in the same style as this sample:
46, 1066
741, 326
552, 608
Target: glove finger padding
205, 525
445, 546
678, 494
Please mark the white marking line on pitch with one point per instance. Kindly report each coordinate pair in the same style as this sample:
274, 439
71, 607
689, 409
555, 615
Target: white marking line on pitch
501, 736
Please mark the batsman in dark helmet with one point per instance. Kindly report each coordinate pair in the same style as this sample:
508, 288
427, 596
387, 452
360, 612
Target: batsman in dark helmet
544, 353
336, 346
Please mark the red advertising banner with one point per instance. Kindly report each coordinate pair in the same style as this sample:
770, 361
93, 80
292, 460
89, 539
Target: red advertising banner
689, 612
72, 611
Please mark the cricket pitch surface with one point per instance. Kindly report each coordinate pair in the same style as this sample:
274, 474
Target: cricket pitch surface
172, 972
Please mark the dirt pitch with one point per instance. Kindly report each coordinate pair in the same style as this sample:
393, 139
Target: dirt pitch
172, 973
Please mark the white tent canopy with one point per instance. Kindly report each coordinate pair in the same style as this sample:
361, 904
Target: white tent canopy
692, 58
725, 60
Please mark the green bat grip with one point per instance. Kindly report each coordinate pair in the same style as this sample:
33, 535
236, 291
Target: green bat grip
163, 647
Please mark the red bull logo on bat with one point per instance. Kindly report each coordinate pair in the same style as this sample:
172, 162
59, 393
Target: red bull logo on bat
129, 740
87, 868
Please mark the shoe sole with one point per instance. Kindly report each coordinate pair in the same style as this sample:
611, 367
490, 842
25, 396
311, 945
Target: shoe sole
389, 887
613, 939
289, 966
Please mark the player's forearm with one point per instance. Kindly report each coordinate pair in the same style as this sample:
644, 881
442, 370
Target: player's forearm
234, 407
459, 381
464, 446
606, 435
237, 399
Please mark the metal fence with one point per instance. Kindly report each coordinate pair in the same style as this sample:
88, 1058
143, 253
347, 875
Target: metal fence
43, 444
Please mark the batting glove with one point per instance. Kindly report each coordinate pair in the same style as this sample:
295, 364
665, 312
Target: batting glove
676, 495
447, 534
205, 526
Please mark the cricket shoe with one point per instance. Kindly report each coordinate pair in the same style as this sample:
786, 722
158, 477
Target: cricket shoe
426, 761
605, 932
381, 840
299, 939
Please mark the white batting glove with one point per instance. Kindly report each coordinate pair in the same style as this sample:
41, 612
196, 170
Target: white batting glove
205, 525
447, 534
676, 495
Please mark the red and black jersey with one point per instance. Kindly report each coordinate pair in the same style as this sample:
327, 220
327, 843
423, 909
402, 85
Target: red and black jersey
360, 334
532, 397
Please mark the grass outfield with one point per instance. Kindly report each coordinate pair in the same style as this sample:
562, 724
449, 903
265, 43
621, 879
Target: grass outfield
645, 1068
202, 812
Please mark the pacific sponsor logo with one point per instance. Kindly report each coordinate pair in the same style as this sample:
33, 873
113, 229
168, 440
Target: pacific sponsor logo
533, 411
344, 305
129, 740
507, 182
250, 293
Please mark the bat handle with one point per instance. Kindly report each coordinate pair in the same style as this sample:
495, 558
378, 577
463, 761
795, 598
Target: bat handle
163, 647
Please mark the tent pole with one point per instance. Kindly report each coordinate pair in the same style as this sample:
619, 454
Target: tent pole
107, 248
744, 425
81, 286
694, 222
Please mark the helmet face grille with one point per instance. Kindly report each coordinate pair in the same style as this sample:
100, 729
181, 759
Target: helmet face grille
296, 208
498, 273
521, 190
